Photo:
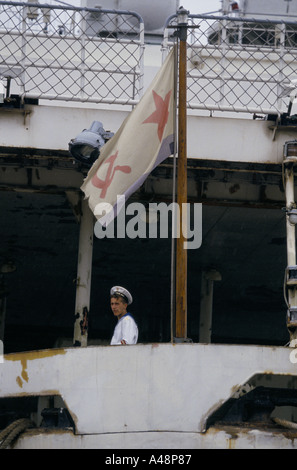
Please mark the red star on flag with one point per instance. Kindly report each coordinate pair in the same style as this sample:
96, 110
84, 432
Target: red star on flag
135, 150
161, 114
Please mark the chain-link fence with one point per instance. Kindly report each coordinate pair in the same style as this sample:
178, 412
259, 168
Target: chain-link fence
96, 55
239, 64
72, 54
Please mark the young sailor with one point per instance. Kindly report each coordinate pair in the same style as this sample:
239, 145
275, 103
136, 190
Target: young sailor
126, 330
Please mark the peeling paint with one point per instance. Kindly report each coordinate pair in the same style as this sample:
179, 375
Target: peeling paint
30, 356
231, 443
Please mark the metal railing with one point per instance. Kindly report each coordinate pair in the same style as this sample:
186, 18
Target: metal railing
97, 56
239, 64
72, 54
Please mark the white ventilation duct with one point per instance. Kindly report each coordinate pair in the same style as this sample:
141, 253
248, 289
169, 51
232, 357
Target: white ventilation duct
154, 13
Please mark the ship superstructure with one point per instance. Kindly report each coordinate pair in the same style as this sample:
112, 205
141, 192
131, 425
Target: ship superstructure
232, 383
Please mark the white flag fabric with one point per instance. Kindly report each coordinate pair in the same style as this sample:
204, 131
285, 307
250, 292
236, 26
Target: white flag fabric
143, 141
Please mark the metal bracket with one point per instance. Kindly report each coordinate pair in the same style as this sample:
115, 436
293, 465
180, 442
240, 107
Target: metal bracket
182, 340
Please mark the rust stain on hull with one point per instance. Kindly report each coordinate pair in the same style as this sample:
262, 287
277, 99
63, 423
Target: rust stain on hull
31, 356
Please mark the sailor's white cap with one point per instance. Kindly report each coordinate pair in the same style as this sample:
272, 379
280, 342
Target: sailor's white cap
122, 292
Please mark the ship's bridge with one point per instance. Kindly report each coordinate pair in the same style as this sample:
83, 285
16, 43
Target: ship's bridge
63, 68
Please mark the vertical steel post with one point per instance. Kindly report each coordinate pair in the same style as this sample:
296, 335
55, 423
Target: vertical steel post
291, 239
291, 248
181, 252
290, 155
84, 274
206, 303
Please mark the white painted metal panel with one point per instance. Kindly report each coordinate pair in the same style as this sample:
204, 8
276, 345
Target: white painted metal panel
143, 387
51, 127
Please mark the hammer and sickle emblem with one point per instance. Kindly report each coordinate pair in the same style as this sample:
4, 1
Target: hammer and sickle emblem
104, 184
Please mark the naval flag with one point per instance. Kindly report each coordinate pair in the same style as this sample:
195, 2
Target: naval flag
143, 141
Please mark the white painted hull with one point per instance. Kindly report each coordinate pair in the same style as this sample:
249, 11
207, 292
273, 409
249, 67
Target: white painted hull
147, 396
214, 438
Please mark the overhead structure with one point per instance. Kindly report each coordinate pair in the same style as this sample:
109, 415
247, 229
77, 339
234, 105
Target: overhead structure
153, 13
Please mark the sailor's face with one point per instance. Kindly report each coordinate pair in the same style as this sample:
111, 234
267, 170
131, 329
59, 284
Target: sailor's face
118, 307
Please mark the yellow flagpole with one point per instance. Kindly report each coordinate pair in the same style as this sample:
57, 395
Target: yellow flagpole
181, 251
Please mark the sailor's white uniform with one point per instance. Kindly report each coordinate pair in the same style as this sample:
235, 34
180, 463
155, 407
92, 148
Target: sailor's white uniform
126, 329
